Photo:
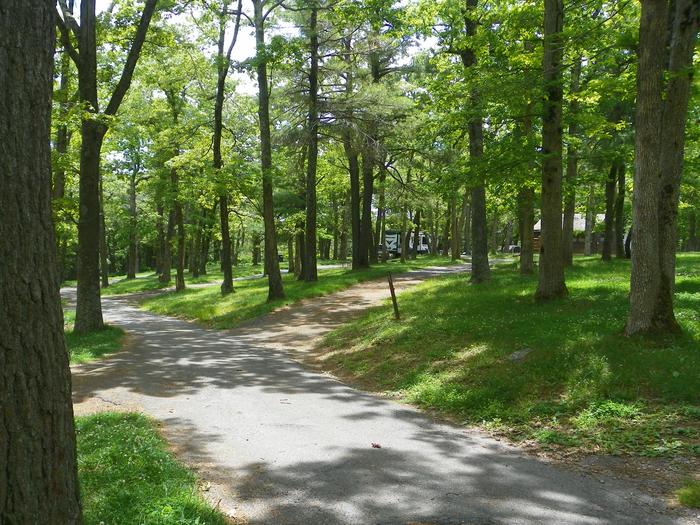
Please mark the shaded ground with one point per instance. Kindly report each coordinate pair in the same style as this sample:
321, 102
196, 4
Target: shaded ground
285, 445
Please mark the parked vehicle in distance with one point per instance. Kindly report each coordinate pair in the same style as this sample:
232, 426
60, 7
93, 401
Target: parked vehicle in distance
393, 242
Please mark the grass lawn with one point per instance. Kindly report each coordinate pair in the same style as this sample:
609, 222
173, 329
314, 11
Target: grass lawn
88, 347
128, 476
148, 281
576, 381
208, 306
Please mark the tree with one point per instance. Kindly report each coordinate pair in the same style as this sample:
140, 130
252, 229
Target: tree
223, 64
272, 267
659, 146
38, 469
309, 266
551, 279
88, 312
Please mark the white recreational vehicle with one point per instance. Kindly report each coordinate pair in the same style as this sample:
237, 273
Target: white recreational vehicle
393, 242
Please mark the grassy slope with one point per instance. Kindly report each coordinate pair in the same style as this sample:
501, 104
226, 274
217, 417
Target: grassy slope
128, 477
249, 300
91, 346
582, 383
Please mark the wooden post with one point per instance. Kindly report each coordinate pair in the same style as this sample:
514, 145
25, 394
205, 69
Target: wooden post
393, 298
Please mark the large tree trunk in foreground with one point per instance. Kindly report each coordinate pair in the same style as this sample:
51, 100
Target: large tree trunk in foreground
272, 266
684, 35
551, 279
645, 278
38, 474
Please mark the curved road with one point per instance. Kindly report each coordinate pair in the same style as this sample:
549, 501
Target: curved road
281, 444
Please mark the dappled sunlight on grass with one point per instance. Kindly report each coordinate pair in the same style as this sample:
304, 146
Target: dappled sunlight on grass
249, 299
489, 354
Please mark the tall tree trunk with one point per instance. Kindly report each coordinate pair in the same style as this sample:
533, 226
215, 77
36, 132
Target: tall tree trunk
381, 212
684, 36
526, 222
480, 270
590, 221
310, 266
447, 231
368, 161
693, 241
180, 224
223, 64
551, 279
416, 236
610, 185
353, 163
344, 230
620, 212
291, 267
133, 267
38, 473
275, 288
645, 279
454, 230
104, 255
336, 229
571, 169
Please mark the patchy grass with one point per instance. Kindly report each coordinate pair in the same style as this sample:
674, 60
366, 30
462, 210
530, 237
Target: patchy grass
208, 306
576, 381
127, 475
88, 347
148, 281
689, 494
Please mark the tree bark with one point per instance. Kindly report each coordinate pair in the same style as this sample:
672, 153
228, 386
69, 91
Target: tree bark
222, 67
310, 262
480, 270
571, 169
133, 264
610, 185
645, 279
104, 255
416, 236
590, 222
551, 283
684, 36
180, 224
38, 472
275, 288
526, 222
88, 312
620, 212
368, 161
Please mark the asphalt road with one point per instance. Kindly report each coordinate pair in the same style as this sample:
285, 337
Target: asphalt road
278, 443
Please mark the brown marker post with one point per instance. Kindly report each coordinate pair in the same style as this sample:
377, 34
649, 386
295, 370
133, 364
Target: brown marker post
393, 298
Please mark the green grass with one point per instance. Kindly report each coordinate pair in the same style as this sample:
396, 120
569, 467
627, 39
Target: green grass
127, 475
207, 306
148, 281
88, 347
689, 494
582, 383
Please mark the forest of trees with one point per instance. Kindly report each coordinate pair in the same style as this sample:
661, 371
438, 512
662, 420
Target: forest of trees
467, 120
188, 133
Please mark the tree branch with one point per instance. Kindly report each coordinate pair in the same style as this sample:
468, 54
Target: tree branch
132, 58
